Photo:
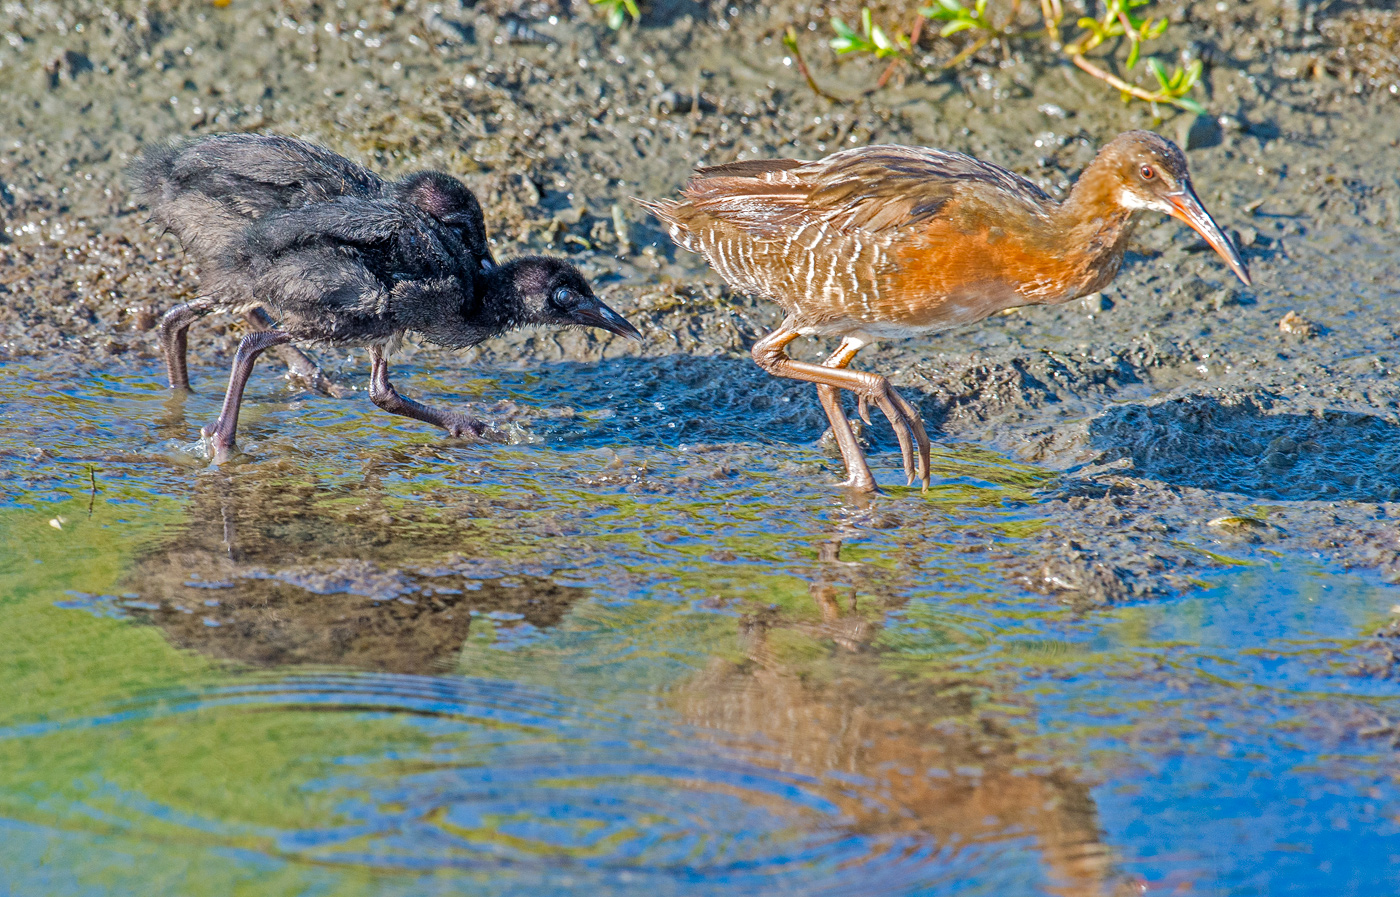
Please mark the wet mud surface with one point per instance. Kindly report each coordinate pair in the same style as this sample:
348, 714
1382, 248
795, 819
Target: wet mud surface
645, 597
1180, 381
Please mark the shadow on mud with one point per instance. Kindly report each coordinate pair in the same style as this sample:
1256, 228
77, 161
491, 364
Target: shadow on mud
680, 399
1241, 447
683, 399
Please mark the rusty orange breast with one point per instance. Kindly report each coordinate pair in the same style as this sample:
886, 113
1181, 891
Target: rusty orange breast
944, 276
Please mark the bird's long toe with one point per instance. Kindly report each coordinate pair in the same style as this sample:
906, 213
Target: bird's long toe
914, 446
902, 431
920, 437
303, 369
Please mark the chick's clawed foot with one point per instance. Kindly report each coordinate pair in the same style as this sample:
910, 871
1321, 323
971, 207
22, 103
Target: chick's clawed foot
461, 426
220, 441
303, 371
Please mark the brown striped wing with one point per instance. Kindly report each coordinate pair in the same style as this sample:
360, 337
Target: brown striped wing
830, 239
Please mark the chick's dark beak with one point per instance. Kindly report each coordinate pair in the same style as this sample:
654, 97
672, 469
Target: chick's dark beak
1187, 207
597, 314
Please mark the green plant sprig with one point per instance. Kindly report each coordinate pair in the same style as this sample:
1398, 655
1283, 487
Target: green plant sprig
1119, 21
870, 39
618, 11
959, 17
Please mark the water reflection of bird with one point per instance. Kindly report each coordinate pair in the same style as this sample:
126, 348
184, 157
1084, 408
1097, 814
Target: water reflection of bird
887, 242
904, 759
339, 256
279, 569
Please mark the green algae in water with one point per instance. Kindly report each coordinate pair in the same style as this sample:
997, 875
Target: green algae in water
657, 686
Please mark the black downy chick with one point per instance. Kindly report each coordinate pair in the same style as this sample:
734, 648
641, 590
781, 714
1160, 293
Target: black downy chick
366, 270
206, 191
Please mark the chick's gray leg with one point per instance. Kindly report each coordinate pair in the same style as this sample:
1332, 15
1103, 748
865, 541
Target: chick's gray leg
174, 339
300, 366
221, 435
383, 394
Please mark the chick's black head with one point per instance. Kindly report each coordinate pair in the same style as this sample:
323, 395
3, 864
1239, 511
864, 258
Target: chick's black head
552, 292
450, 202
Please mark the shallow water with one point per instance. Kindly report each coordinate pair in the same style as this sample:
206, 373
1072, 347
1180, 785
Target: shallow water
360, 659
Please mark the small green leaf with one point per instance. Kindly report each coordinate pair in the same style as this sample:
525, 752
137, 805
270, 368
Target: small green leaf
1159, 72
955, 27
865, 21
880, 39
1193, 73
1133, 54
842, 29
1190, 105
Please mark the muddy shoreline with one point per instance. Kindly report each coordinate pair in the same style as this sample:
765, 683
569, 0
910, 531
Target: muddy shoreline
1182, 419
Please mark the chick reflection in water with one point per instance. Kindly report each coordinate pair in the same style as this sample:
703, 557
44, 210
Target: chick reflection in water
909, 757
275, 570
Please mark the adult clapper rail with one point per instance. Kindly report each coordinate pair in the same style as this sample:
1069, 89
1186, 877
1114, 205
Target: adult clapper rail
888, 242
336, 255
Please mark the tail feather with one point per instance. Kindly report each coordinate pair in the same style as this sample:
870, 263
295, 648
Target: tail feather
753, 168
152, 173
663, 209
670, 213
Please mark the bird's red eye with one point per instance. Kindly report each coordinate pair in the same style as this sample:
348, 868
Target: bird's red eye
1147, 172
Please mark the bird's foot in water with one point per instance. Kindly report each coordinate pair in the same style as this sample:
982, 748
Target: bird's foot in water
304, 371
460, 425
219, 441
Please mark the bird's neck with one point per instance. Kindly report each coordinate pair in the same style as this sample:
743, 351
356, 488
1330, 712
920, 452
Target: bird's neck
1094, 224
497, 302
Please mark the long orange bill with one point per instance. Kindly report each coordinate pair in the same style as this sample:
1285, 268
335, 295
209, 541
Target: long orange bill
1187, 206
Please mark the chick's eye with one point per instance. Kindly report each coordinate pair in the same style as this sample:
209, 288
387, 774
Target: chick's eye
1147, 172
563, 297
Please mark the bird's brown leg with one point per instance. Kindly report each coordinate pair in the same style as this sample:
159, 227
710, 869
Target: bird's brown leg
221, 435
383, 394
770, 355
174, 336
300, 366
858, 474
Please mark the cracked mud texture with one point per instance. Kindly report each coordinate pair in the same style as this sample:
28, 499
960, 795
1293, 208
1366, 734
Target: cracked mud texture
1183, 409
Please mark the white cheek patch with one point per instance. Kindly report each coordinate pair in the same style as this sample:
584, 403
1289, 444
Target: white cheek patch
1130, 200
